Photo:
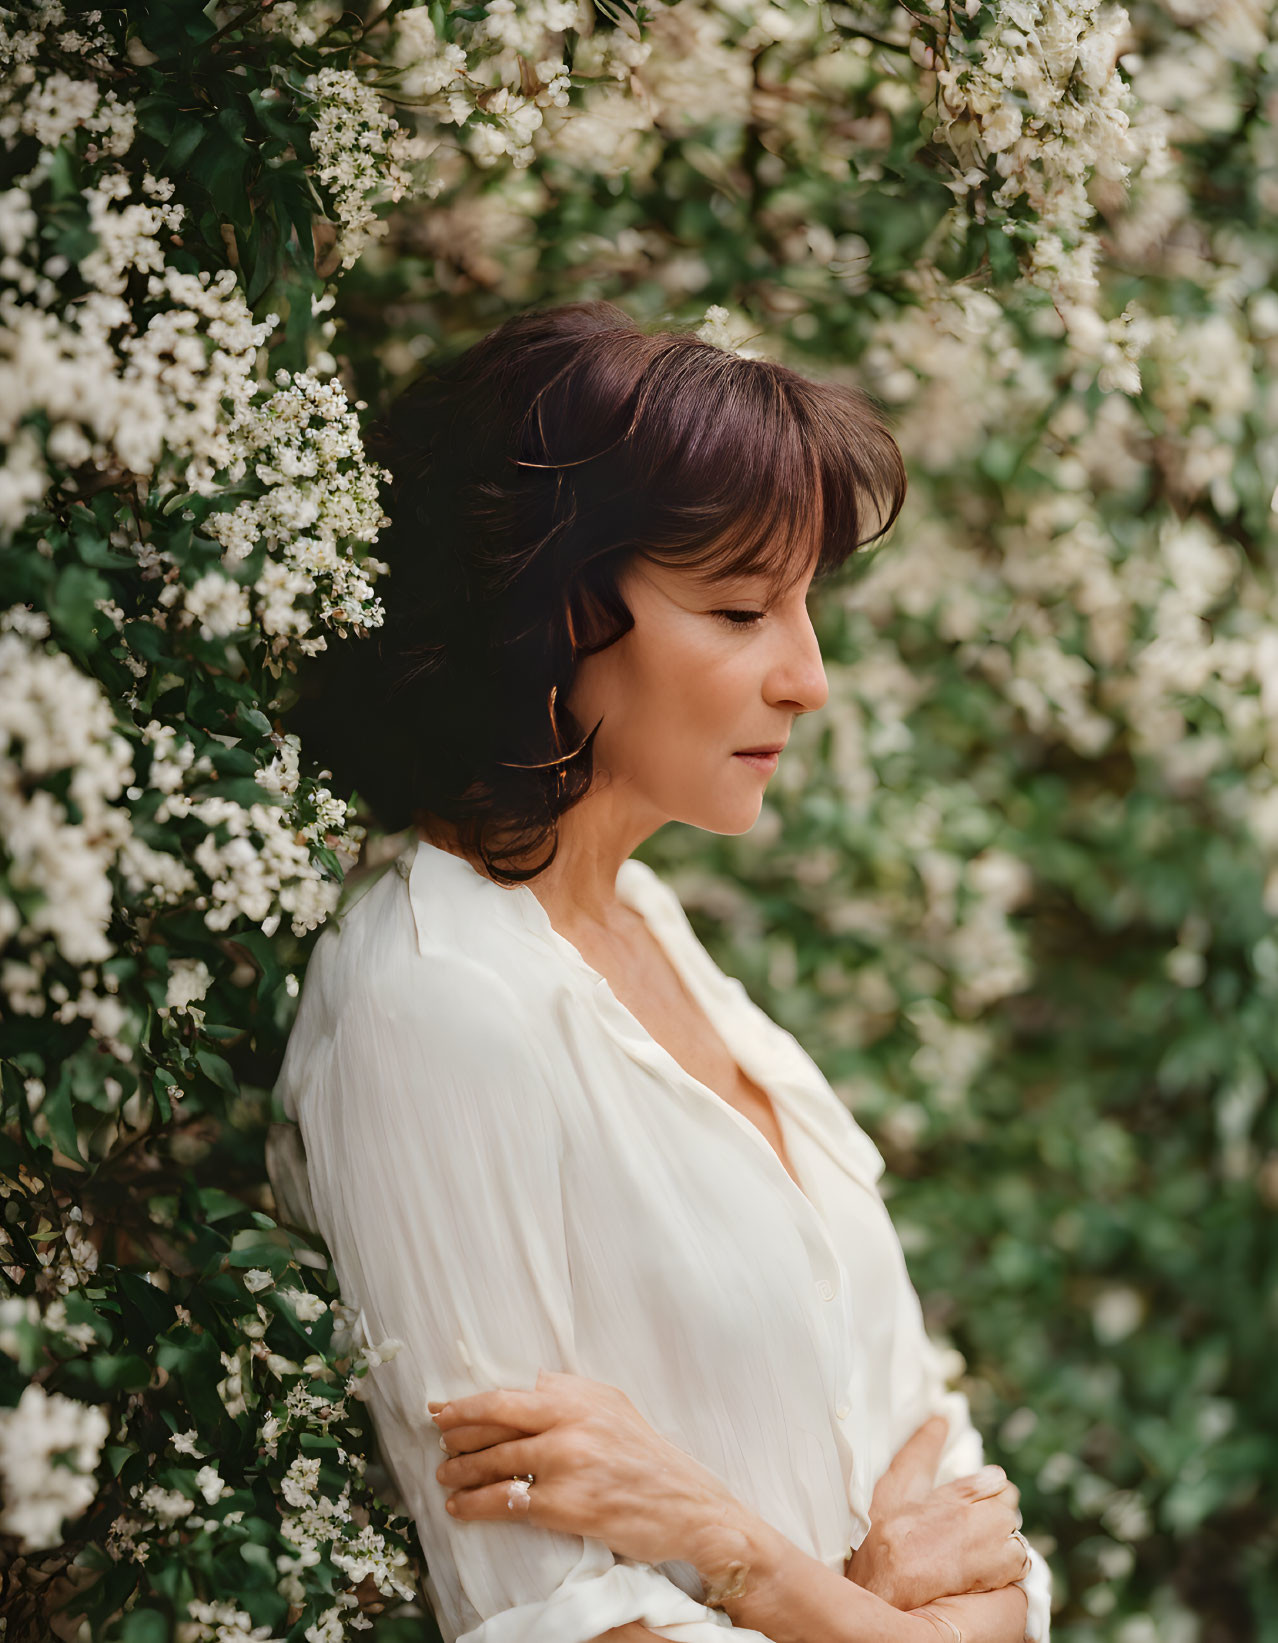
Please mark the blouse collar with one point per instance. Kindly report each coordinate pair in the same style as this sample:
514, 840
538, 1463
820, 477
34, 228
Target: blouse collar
768, 1053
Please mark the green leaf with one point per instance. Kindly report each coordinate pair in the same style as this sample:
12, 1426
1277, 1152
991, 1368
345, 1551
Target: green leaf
71, 604
120, 1371
214, 1068
153, 1305
187, 136
217, 1205
117, 1454
259, 1558
57, 1110
145, 1626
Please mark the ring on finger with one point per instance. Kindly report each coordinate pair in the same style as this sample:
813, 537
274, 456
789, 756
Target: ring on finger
1025, 1545
518, 1492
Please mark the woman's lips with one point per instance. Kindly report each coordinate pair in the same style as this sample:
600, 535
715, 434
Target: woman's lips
766, 762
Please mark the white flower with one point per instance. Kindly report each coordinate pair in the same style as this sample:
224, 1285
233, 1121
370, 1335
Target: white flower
301, 1480
383, 1352
219, 604
307, 1307
210, 1483
49, 1447
719, 327
220, 1622
189, 980
320, 497
1116, 1312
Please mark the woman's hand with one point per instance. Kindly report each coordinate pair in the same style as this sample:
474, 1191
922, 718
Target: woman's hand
927, 1542
599, 1469
957, 1539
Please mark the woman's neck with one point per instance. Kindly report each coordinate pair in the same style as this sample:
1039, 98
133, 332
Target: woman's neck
578, 889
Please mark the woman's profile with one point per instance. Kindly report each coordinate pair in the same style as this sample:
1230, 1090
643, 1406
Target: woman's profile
662, 1368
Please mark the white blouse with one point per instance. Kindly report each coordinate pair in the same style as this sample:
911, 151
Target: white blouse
512, 1174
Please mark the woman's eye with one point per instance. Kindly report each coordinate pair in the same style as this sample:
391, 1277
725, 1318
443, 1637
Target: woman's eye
739, 618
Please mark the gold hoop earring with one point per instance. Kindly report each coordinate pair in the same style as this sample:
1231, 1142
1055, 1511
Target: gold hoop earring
560, 760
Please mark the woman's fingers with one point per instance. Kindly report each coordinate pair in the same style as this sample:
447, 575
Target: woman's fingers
557, 1397
460, 1440
502, 1461
524, 1411
990, 1480
494, 1500
1004, 1555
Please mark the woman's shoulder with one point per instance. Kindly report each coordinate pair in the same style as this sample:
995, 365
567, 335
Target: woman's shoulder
419, 943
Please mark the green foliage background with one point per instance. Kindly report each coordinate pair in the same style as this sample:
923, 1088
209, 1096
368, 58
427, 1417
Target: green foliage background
1014, 887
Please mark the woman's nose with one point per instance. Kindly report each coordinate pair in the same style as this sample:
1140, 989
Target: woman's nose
799, 680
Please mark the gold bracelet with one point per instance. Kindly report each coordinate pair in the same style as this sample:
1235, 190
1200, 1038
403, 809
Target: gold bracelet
944, 1619
732, 1584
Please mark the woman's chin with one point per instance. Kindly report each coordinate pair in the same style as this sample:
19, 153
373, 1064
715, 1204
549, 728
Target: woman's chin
729, 820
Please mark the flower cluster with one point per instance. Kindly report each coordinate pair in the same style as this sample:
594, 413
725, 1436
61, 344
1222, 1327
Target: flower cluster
49, 1448
1040, 95
54, 105
55, 723
719, 329
151, 390
300, 447
358, 155
494, 77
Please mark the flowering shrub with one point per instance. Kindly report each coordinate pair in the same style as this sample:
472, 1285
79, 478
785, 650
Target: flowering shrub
1015, 885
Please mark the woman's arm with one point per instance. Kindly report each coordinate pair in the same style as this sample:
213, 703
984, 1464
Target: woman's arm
793, 1598
599, 1468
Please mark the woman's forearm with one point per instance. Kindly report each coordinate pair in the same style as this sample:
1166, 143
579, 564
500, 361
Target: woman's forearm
790, 1596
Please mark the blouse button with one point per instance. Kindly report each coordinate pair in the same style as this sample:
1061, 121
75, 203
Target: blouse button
843, 1411
825, 1289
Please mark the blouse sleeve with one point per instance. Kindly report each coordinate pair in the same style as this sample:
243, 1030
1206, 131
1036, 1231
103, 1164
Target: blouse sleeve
433, 1144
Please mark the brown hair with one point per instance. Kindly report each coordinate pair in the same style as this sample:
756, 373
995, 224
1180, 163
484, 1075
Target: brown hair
526, 471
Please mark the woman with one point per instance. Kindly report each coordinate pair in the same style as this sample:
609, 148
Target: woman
553, 1149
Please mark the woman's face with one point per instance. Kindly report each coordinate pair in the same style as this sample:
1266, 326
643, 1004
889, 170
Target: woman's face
711, 669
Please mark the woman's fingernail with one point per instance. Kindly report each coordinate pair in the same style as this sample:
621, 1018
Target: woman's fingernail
450, 1506
433, 1407
443, 1444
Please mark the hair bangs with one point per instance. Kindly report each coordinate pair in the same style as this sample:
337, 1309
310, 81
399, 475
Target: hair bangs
737, 485
861, 472
782, 472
